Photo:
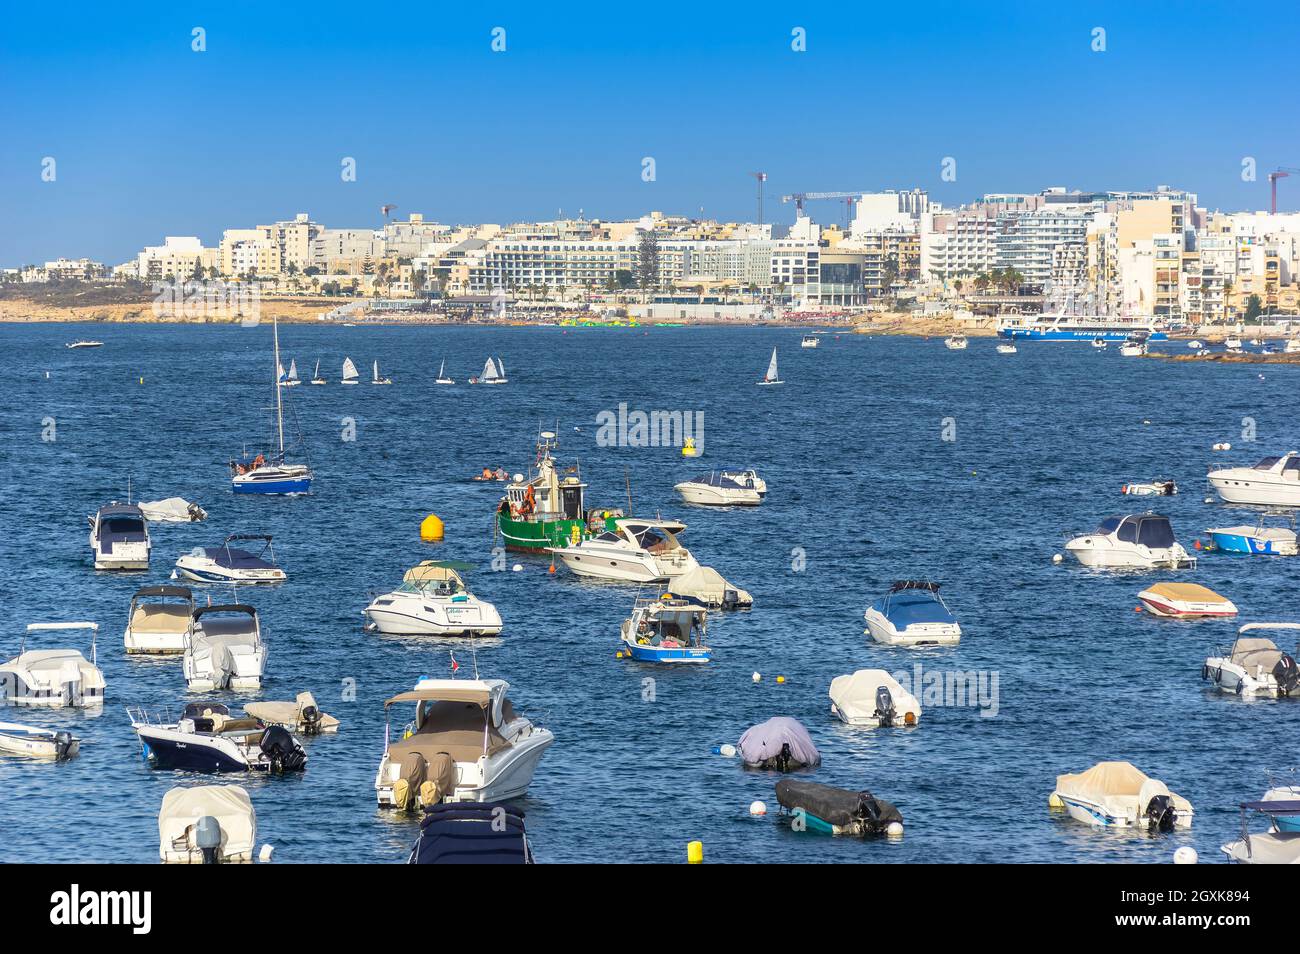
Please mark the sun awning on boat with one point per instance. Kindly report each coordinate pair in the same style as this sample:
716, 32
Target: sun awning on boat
482, 697
1190, 592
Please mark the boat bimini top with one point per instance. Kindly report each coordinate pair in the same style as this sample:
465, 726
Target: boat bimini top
459, 717
233, 558
436, 578
915, 601
47, 627
224, 619
1274, 847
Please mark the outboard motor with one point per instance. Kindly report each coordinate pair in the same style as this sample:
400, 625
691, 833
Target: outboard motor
868, 811
283, 750
1160, 813
310, 717
782, 759
62, 742
729, 599
1287, 675
207, 838
884, 706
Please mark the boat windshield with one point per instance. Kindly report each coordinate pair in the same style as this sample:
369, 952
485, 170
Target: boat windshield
1267, 463
431, 587
1107, 526
1292, 469
1154, 532
651, 540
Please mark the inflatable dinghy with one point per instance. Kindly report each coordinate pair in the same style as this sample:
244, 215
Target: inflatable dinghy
836, 811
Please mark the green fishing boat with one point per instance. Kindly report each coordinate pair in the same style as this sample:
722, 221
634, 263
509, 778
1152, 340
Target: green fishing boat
547, 508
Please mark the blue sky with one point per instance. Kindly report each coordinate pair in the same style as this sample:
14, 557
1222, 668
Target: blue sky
151, 138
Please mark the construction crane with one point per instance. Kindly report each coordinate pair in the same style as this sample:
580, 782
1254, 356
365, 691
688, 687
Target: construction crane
799, 198
1281, 173
761, 177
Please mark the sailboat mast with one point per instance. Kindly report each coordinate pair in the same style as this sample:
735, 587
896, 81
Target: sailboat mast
279, 406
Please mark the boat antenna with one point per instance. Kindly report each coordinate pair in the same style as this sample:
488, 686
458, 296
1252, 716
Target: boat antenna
279, 408
627, 480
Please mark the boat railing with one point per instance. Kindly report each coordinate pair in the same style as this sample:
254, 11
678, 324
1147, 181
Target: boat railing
140, 715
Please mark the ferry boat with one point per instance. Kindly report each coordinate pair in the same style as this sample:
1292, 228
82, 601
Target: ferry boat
546, 508
1063, 327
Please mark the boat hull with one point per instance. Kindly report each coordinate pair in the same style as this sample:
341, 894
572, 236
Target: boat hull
672, 655
36, 744
162, 751
1244, 487
155, 644
882, 630
287, 485
528, 536
1248, 543
1043, 334
708, 496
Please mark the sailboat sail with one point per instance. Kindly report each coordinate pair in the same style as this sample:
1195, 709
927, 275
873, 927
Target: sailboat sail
349, 370
293, 370
771, 368
376, 377
490, 370
279, 371
441, 368
501, 368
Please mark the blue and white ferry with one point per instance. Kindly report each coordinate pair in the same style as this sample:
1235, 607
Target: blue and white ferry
667, 629
1063, 327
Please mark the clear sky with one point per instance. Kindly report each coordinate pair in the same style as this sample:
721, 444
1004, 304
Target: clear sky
151, 138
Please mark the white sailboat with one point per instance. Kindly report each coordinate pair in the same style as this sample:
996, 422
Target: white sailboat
315, 375
291, 379
771, 376
350, 375
377, 379
493, 372
442, 375
271, 474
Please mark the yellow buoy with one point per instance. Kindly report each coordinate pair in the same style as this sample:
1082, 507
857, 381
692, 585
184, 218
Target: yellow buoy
688, 447
431, 528
780, 678
695, 853
1054, 801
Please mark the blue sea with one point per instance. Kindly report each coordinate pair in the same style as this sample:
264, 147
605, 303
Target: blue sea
886, 458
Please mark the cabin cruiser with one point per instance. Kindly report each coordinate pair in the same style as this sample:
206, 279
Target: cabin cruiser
206, 824
837, 811
229, 564
635, 551
666, 629
35, 743
155, 625
912, 614
1185, 601
433, 600
224, 649
1119, 795
465, 744
748, 479
780, 744
1136, 541
1257, 540
1280, 845
955, 342
873, 698
1006, 349
1273, 482
1255, 666
1154, 488
810, 341
301, 715
53, 677
207, 739
119, 537
715, 490
1233, 344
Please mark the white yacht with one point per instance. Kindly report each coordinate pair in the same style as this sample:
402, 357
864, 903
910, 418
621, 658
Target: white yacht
955, 342
376, 379
747, 478
433, 600
810, 341
155, 625
1273, 482
635, 551
442, 374
224, 649
53, 677
229, 564
465, 744
1254, 666
717, 490
119, 537
1136, 541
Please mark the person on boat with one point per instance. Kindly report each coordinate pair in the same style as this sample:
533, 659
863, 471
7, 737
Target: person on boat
501, 473
530, 502
487, 474
258, 461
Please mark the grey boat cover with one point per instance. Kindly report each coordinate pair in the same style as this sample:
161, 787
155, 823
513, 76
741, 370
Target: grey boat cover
761, 745
837, 806
706, 585
172, 510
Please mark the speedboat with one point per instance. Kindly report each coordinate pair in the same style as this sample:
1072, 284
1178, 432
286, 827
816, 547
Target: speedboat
1154, 488
1280, 845
84, 344
912, 614
955, 342
224, 648
1255, 666
315, 376
810, 341
228, 564
1233, 344
748, 479
1099, 343
206, 824
301, 715
666, 629
273, 474
433, 600
494, 372
465, 744
1119, 795
1258, 540
771, 376
488, 833
207, 739
1136, 541
153, 624
119, 537
34, 743
715, 490
1273, 482
1185, 601
836, 811
1196, 344
376, 379
780, 744
1006, 349
350, 375
635, 551
53, 677
442, 374
873, 698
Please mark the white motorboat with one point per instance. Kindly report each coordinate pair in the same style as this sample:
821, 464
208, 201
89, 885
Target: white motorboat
955, 342
771, 376
206, 824
119, 537
465, 744
1254, 666
635, 551
1135, 346
1280, 844
291, 379
810, 341
1119, 795
1099, 343
1185, 601
155, 625
376, 379
747, 478
1136, 541
1273, 482
1232, 343
1195, 344
442, 374
873, 698
315, 375
350, 375
1006, 349
433, 600
224, 648
207, 739
301, 715
912, 614
1292, 346
230, 564
36, 743
84, 344
494, 372
53, 677
716, 490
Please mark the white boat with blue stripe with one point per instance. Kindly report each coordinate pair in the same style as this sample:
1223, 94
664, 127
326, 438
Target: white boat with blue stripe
912, 614
1065, 327
231, 564
666, 629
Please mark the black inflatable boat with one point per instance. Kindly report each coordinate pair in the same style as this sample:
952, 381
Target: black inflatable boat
835, 811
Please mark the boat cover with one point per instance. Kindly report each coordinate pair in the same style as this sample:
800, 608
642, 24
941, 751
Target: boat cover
837, 806
1269, 848
855, 696
228, 804
172, 510
232, 558
763, 743
716, 479
706, 585
1118, 787
1186, 592
290, 714
1251, 651
914, 606
483, 833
